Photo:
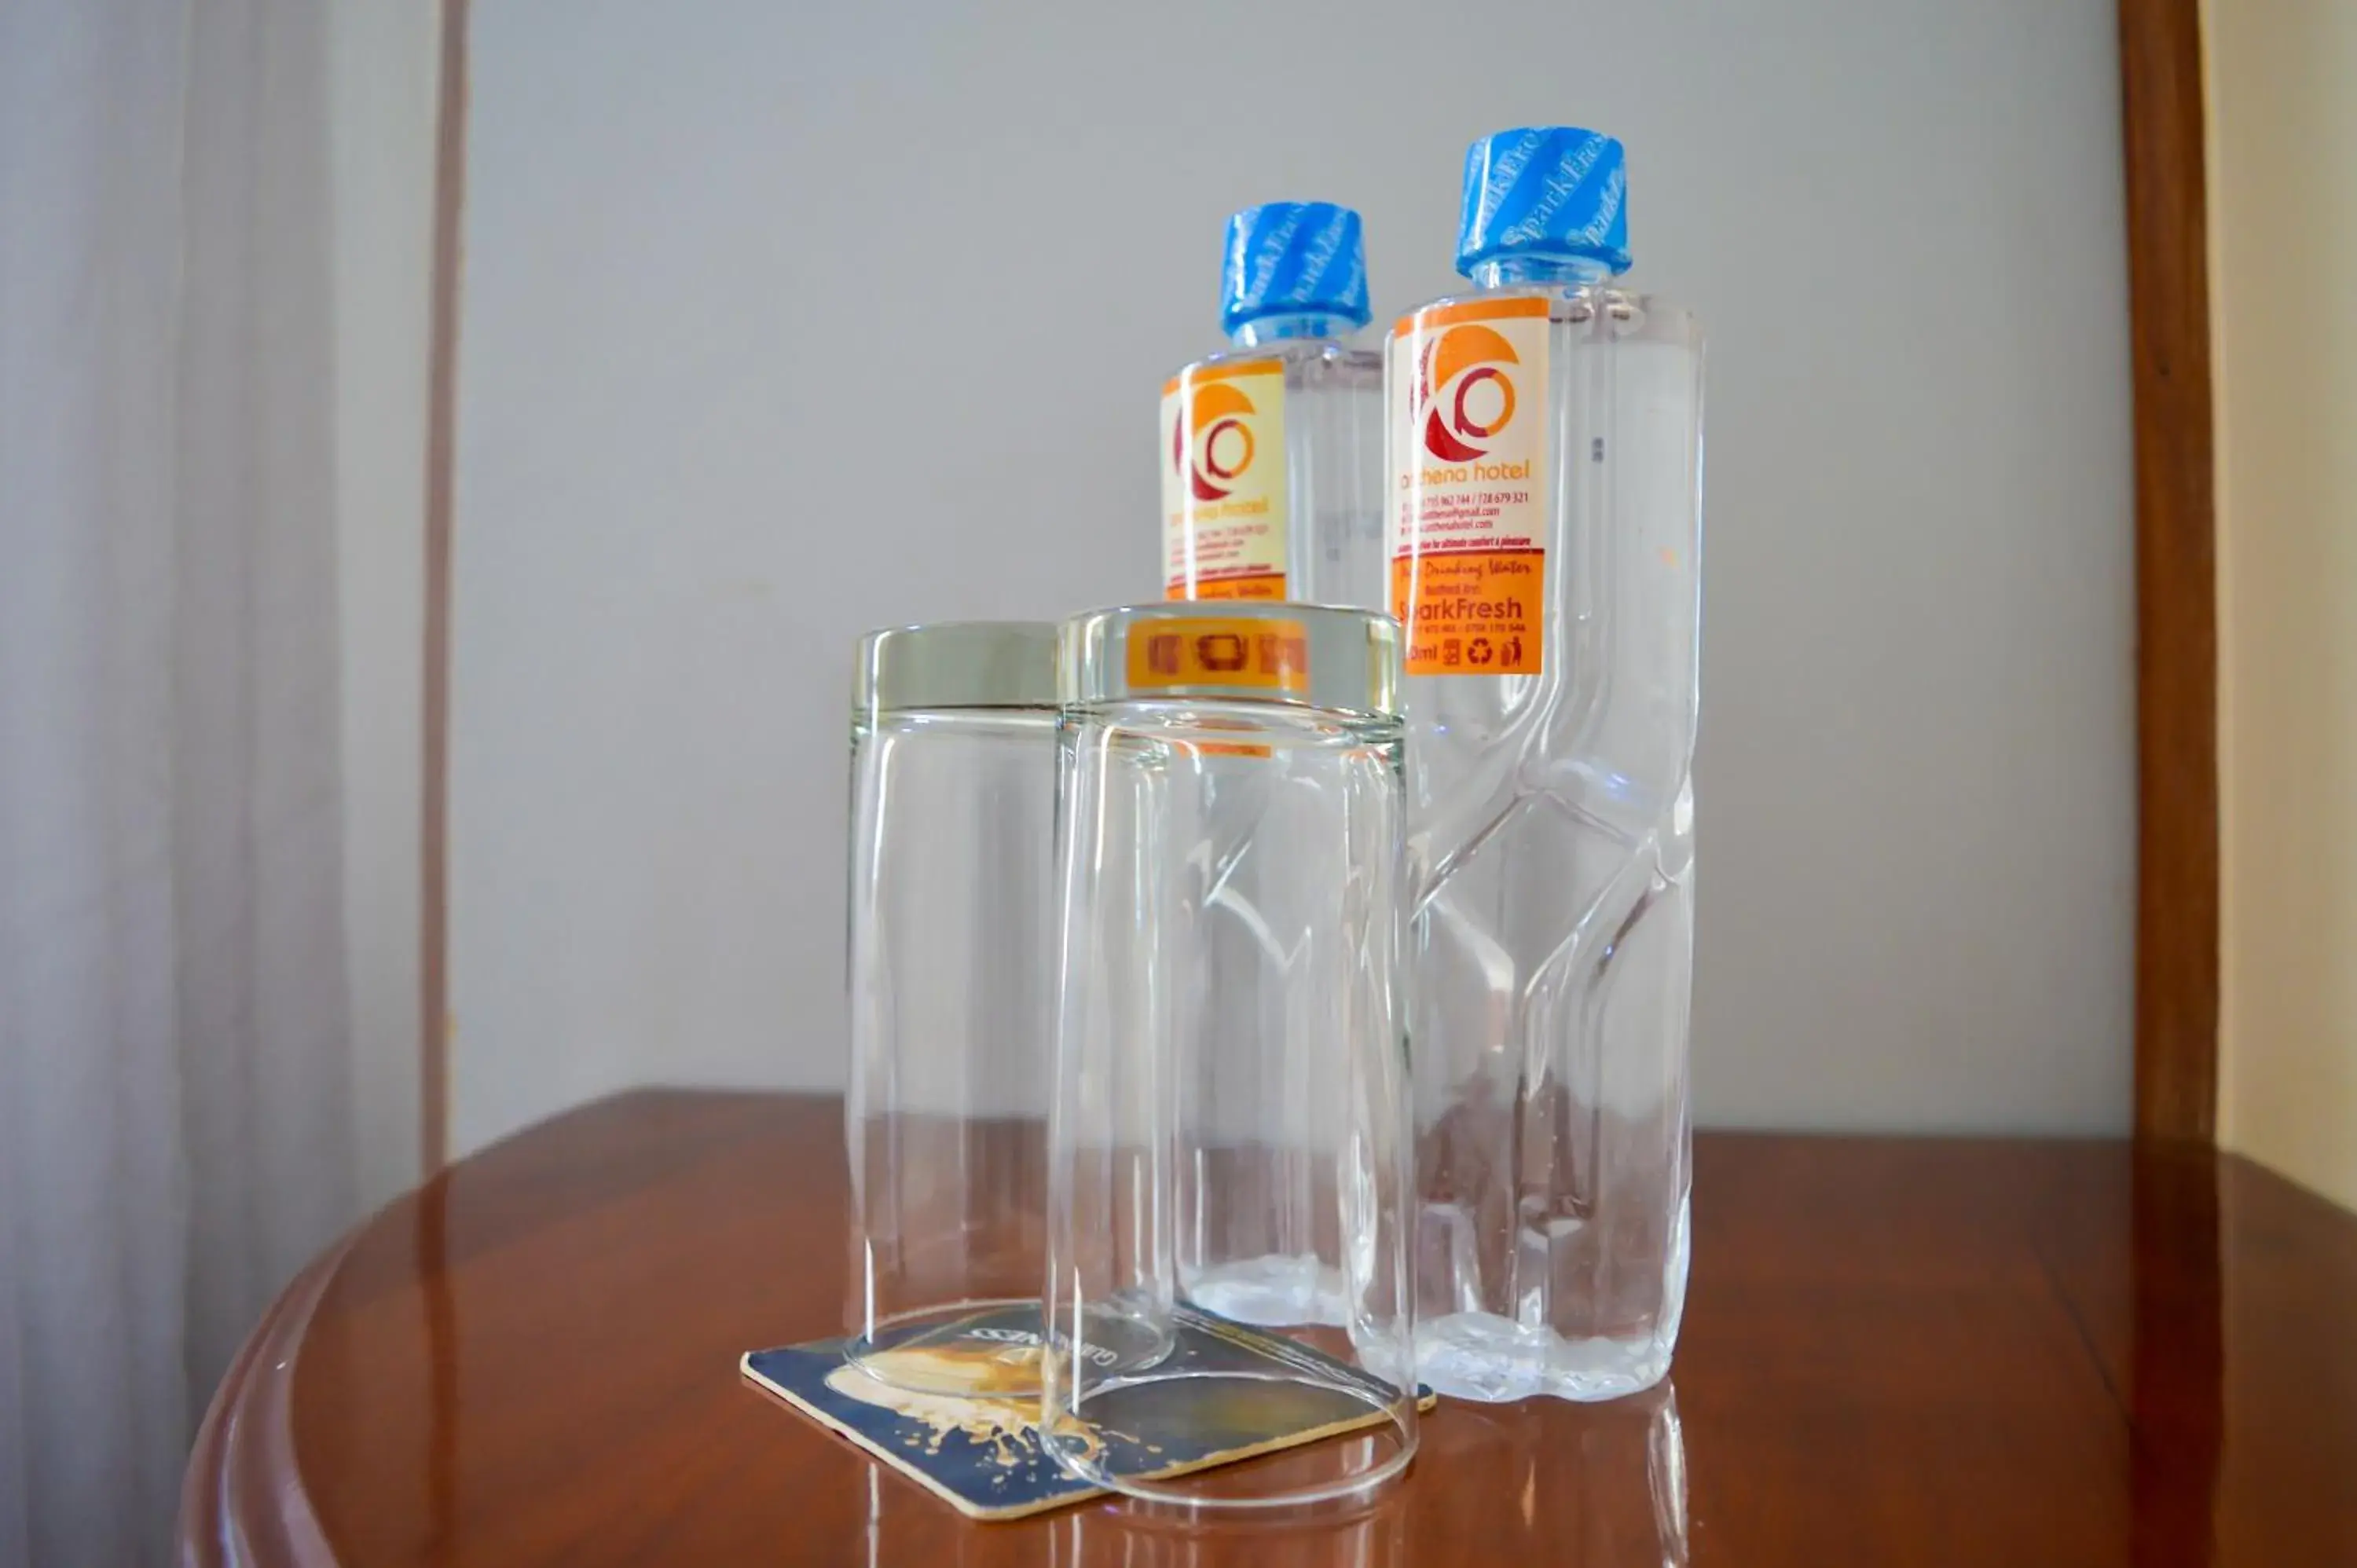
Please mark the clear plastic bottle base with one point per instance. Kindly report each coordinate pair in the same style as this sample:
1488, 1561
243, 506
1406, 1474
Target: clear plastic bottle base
1271, 1291
1480, 1356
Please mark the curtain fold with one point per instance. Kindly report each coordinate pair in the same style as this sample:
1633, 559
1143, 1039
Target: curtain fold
175, 1071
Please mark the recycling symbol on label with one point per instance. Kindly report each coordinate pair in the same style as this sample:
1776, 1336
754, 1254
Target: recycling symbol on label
1480, 651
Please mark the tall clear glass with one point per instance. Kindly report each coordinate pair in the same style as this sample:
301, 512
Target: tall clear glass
1231, 1130
953, 806
1545, 438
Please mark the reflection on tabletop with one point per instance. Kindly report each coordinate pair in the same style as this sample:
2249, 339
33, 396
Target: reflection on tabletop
1598, 1486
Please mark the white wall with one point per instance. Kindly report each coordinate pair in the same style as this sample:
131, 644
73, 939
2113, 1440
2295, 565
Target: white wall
384, 69
785, 321
2283, 218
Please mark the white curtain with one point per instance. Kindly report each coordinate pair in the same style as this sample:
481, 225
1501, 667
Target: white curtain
174, 1073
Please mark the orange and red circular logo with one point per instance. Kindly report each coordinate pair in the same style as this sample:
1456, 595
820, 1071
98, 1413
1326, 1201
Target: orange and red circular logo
1467, 394
1213, 446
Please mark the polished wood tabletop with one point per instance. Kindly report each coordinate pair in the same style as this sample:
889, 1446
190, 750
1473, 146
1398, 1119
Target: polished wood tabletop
1896, 1352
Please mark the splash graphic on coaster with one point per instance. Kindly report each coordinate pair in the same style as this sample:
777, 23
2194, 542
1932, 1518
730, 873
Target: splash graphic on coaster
980, 1450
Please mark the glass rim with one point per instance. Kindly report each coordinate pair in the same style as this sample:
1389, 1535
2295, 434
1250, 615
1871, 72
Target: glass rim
983, 664
1323, 657
1195, 1487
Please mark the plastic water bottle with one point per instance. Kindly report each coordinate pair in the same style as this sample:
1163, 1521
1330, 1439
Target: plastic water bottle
1543, 441
1271, 486
1271, 449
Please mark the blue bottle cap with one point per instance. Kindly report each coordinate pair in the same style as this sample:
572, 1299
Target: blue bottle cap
1294, 258
1545, 189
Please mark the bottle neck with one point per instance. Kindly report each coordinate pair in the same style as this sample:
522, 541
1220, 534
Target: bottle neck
1569, 272
1266, 329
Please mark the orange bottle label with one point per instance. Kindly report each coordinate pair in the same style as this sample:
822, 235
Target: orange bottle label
1224, 481
1468, 525
1193, 651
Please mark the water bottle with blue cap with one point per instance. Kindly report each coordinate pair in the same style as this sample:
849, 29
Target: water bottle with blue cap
1543, 526
1271, 448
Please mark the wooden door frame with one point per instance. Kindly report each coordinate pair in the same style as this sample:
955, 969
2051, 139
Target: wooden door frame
2177, 942
441, 499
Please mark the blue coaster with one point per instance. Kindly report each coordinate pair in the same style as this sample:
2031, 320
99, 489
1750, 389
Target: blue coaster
982, 1453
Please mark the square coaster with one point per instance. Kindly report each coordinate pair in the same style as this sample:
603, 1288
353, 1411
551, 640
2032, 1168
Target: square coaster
983, 1455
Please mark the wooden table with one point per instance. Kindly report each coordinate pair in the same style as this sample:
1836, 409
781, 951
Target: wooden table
1935, 1352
